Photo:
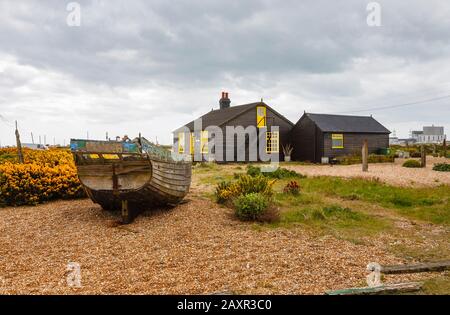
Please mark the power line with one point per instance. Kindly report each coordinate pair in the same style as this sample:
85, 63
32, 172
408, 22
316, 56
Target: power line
396, 106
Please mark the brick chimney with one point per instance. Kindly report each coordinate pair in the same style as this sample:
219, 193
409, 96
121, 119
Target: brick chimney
224, 102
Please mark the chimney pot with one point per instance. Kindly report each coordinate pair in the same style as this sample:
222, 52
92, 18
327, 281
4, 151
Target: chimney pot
224, 102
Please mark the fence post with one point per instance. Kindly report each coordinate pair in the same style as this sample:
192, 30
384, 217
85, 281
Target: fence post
444, 147
423, 156
365, 157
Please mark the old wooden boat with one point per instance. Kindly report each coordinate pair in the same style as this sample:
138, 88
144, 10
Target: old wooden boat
130, 176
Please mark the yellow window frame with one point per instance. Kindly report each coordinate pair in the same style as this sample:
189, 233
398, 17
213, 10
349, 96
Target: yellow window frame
181, 142
192, 143
261, 119
204, 141
337, 137
273, 142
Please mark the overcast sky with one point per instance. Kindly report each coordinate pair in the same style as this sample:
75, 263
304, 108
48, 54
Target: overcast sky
152, 66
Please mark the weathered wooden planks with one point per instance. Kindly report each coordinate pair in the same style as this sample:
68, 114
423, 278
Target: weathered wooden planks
143, 182
414, 268
383, 289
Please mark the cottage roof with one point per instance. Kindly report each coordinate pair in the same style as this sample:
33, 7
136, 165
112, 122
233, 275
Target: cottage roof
220, 117
347, 123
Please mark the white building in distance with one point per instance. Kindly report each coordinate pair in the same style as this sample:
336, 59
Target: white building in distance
429, 134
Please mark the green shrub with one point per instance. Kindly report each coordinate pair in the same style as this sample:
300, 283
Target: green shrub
412, 164
245, 184
441, 167
251, 206
253, 170
279, 173
373, 158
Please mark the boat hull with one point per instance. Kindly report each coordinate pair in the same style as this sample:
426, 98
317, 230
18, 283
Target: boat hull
143, 184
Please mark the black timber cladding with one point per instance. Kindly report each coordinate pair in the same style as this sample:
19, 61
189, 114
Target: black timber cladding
312, 136
245, 116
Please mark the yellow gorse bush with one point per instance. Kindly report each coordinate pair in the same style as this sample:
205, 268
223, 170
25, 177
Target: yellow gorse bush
46, 175
245, 184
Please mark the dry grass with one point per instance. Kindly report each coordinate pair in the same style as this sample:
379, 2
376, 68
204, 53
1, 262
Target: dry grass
390, 173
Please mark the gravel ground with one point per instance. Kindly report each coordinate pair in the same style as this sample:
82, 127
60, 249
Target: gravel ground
196, 247
391, 173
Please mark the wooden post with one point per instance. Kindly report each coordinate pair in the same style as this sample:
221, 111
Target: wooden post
365, 157
444, 147
423, 156
125, 212
19, 146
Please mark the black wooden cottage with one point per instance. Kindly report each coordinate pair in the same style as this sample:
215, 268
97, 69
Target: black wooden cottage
313, 137
258, 115
317, 136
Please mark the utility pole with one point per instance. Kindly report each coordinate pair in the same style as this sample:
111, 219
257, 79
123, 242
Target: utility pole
32, 138
19, 146
40, 139
45, 139
107, 136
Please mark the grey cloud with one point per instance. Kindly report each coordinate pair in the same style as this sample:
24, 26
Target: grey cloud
300, 54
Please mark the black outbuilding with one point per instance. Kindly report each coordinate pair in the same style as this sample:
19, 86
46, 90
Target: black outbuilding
317, 136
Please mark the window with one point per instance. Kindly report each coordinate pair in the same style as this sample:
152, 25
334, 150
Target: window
204, 142
272, 142
181, 143
192, 143
260, 116
337, 141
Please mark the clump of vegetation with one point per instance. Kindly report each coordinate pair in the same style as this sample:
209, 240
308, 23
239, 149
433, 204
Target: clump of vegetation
250, 206
335, 211
415, 154
279, 173
253, 170
441, 167
335, 219
292, 188
357, 159
245, 184
250, 196
412, 164
429, 204
45, 175
415, 150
